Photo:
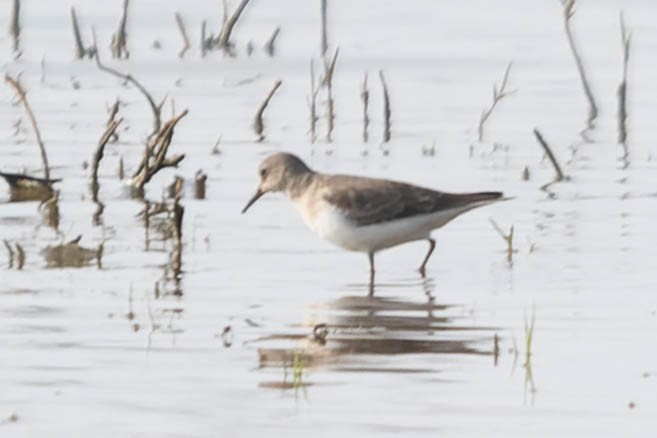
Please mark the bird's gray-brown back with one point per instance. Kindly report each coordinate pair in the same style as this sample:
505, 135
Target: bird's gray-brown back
368, 201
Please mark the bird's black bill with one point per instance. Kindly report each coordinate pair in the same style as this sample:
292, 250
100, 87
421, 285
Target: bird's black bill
255, 197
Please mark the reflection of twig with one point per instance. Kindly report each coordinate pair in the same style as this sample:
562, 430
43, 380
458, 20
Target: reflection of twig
568, 12
183, 33
258, 124
10, 251
548, 152
622, 88
20, 93
498, 95
529, 375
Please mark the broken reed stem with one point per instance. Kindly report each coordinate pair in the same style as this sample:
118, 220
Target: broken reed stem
498, 95
183, 33
258, 124
15, 25
80, 51
313, 104
508, 238
324, 44
10, 251
548, 152
223, 40
20, 93
365, 96
199, 184
270, 47
386, 109
119, 39
156, 109
622, 88
329, 70
568, 12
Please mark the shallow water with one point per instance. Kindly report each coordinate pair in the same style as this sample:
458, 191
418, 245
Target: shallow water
231, 349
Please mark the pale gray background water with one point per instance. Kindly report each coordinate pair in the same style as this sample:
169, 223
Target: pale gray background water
72, 365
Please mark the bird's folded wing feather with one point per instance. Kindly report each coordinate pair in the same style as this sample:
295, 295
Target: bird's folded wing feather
369, 201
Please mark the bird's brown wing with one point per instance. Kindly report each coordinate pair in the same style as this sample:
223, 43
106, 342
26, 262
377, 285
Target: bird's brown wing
368, 201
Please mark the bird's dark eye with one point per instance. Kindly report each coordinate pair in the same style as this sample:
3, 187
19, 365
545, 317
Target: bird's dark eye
263, 173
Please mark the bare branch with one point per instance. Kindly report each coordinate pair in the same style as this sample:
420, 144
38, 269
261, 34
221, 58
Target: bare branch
327, 81
498, 95
156, 109
568, 12
183, 33
386, 109
20, 93
548, 152
258, 124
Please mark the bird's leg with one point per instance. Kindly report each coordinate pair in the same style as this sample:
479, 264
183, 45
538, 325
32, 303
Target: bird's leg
370, 255
432, 246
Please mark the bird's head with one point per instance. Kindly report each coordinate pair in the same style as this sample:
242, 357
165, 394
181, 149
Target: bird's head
278, 172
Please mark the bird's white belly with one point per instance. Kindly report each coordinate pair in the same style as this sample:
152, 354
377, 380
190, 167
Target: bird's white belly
331, 224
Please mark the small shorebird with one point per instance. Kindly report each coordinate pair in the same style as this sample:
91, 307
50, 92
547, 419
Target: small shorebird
364, 214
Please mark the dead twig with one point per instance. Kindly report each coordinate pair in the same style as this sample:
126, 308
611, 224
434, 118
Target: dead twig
365, 97
20, 93
386, 108
156, 109
327, 81
258, 124
622, 88
508, 238
312, 104
548, 152
270, 45
498, 95
95, 163
223, 39
119, 39
80, 50
155, 154
568, 12
324, 44
15, 25
183, 33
